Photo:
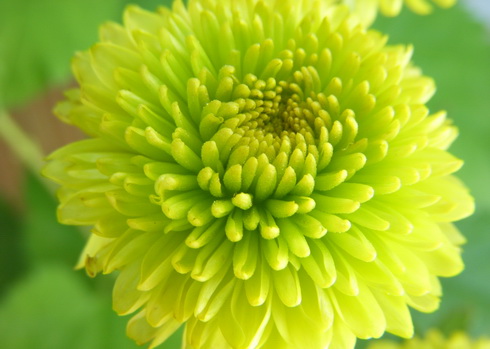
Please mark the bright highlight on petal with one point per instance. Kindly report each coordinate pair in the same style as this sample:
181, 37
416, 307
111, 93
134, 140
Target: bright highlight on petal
263, 172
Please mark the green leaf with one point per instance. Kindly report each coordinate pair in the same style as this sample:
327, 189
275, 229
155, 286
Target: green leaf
12, 264
46, 240
38, 39
53, 308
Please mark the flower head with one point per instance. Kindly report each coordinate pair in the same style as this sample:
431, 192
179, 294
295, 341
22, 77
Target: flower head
264, 171
435, 340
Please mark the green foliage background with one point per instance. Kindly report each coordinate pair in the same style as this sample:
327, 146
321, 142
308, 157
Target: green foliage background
44, 304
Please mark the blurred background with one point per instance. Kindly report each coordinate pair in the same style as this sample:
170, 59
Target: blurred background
44, 304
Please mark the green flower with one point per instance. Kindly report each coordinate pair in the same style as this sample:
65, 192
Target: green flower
264, 172
435, 340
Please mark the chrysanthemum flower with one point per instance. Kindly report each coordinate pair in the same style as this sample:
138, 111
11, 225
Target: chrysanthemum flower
435, 340
264, 172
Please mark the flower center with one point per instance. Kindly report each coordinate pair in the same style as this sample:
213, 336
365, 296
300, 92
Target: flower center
282, 111
289, 114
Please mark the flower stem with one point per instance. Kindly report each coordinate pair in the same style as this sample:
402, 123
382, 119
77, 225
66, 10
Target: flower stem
23, 147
